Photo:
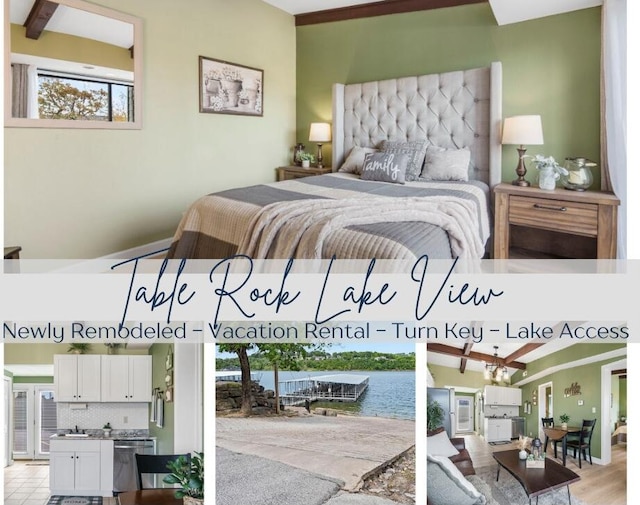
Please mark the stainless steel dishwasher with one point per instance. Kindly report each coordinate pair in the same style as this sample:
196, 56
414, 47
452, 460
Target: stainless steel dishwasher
517, 427
125, 471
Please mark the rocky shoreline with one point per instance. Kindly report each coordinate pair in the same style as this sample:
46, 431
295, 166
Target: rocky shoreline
396, 482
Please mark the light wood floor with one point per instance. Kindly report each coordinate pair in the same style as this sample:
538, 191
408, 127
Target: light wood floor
597, 485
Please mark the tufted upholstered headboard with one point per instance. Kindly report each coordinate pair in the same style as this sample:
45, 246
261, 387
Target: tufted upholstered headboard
452, 110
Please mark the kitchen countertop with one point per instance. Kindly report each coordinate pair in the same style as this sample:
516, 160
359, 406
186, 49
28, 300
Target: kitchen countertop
102, 437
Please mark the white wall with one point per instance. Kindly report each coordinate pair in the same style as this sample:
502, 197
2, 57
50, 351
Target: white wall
87, 193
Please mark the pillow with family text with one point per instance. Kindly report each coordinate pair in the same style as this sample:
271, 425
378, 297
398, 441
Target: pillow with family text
385, 167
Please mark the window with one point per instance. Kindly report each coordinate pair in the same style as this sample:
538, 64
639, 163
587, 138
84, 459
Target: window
77, 97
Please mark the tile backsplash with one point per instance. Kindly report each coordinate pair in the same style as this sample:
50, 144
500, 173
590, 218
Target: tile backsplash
122, 416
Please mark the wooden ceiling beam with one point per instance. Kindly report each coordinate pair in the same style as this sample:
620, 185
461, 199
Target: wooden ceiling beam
376, 9
476, 356
621, 371
38, 18
465, 351
525, 349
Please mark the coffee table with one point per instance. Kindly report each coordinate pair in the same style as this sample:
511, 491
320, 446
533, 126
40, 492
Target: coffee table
535, 481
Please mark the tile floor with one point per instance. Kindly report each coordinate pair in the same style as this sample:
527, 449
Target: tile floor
27, 483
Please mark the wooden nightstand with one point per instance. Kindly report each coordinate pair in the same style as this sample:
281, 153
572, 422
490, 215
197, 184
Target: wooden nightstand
534, 223
295, 172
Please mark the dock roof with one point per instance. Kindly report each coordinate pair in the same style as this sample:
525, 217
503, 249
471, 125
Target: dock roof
335, 379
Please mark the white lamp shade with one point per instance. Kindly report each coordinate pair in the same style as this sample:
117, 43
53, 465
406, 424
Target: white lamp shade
522, 130
320, 132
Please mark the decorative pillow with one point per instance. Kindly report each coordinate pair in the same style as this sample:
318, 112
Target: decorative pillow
446, 164
385, 167
447, 486
415, 150
355, 160
440, 445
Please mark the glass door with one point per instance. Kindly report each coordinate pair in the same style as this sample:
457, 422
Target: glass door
34, 420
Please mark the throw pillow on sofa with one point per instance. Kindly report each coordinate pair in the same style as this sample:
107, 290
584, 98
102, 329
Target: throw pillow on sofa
447, 486
440, 445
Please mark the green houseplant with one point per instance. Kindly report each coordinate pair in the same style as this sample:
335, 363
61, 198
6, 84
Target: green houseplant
435, 415
78, 348
189, 475
306, 159
564, 419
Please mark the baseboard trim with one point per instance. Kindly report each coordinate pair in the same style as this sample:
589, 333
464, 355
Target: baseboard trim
140, 251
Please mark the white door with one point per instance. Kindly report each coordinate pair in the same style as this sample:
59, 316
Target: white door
7, 421
65, 372
87, 471
89, 378
545, 405
464, 414
62, 471
115, 378
140, 378
34, 420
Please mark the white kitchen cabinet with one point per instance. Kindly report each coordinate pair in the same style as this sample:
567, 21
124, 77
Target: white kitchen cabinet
81, 467
498, 395
497, 430
126, 378
77, 377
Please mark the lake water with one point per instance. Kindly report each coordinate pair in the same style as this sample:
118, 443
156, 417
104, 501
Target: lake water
390, 394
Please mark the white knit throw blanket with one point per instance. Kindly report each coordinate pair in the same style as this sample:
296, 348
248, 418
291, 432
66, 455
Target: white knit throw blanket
298, 229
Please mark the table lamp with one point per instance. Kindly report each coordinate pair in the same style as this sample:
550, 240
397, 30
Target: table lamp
521, 130
320, 133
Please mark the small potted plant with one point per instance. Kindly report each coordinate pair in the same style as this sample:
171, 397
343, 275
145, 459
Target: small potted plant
564, 419
435, 415
189, 475
523, 442
78, 348
550, 171
306, 159
106, 429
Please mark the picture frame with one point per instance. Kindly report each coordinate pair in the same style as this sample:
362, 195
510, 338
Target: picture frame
168, 395
168, 378
230, 88
168, 365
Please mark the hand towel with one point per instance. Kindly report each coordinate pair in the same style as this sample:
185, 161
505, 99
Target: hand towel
160, 412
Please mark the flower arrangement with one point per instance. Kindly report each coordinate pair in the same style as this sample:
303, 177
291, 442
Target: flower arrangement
523, 443
304, 156
549, 163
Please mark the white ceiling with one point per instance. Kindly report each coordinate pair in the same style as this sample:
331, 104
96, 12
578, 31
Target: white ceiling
30, 370
505, 11
79, 23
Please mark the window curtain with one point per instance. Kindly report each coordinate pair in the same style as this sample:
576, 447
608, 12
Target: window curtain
613, 110
24, 90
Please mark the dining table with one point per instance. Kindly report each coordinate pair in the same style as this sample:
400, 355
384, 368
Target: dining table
559, 434
149, 497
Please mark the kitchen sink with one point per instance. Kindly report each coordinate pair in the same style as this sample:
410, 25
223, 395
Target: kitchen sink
74, 435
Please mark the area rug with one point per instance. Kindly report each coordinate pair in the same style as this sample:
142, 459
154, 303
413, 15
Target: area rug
508, 491
499, 443
75, 500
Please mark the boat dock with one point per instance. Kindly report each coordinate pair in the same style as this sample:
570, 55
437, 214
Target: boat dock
338, 387
235, 376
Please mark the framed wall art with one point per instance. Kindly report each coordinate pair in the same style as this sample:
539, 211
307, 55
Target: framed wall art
229, 88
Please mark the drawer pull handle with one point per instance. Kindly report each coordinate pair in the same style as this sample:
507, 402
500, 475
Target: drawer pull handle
550, 207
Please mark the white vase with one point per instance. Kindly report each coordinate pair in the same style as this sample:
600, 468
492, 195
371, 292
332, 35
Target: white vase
522, 454
547, 179
306, 163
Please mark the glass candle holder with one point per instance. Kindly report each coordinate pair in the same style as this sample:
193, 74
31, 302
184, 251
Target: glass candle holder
579, 176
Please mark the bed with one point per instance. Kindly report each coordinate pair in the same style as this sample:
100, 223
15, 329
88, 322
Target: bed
366, 212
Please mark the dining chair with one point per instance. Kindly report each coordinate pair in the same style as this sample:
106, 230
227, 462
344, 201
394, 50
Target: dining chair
583, 443
155, 464
547, 422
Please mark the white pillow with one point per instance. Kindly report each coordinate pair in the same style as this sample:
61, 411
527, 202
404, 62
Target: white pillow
456, 475
446, 164
440, 445
355, 160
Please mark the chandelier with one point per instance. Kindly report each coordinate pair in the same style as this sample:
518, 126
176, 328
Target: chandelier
495, 370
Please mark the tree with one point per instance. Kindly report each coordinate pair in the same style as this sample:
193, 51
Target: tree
61, 100
279, 355
241, 351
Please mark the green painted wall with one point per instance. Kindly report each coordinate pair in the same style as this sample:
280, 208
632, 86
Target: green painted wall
550, 65
623, 397
587, 376
32, 380
164, 434
112, 190
445, 376
70, 48
42, 354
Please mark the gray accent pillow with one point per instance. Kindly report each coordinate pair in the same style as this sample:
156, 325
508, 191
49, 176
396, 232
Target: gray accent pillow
416, 151
446, 164
447, 486
355, 160
385, 167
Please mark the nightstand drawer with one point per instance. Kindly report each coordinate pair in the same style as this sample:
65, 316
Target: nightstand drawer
558, 215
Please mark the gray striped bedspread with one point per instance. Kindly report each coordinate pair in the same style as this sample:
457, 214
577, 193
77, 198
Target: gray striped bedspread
221, 224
